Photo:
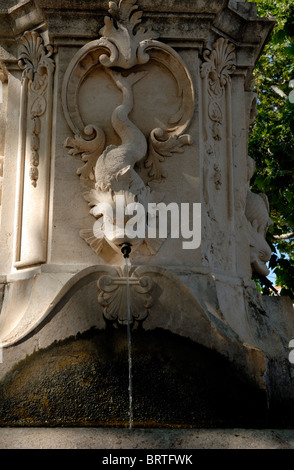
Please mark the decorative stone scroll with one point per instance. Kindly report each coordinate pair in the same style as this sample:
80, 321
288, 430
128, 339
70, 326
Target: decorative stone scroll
121, 36
161, 145
134, 120
37, 65
114, 300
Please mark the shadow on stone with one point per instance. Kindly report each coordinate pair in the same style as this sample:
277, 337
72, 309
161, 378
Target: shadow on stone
83, 381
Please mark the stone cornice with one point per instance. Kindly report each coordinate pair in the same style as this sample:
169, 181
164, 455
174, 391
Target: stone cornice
23, 16
180, 22
159, 6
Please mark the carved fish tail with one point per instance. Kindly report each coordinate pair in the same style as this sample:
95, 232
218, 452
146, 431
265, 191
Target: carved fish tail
128, 81
135, 77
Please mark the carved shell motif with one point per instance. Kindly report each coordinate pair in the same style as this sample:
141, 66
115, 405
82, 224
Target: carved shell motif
34, 57
218, 66
216, 71
113, 296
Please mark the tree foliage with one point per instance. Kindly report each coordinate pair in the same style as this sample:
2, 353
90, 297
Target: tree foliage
271, 142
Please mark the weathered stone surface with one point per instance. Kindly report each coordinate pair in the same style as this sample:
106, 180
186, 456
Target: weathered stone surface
101, 104
101, 438
188, 385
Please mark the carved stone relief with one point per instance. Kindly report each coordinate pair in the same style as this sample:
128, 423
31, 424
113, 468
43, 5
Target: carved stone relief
37, 65
216, 70
126, 63
113, 295
217, 177
257, 223
256, 212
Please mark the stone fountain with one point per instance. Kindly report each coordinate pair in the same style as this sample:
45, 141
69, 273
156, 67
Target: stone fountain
125, 106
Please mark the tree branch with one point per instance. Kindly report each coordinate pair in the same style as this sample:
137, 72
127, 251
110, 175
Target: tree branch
284, 236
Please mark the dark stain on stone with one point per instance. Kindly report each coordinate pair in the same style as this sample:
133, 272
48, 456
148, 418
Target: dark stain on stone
83, 381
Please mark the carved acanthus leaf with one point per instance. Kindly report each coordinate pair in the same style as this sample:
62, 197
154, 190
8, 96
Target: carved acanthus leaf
97, 244
113, 296
89, 150
124, 12
161, 145
122, 36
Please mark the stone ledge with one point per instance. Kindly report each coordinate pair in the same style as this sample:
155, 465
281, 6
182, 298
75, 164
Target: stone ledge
98, 438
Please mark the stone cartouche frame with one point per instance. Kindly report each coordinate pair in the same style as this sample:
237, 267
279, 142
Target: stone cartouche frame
148, 103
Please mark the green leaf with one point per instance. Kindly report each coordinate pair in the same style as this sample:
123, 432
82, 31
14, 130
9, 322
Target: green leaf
271, 139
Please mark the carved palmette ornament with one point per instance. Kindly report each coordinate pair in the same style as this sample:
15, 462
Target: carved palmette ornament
218, 66
216, 70
113, 296
36, 62
121, 56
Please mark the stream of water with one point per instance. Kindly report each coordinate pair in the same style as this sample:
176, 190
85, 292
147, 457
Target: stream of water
129, 346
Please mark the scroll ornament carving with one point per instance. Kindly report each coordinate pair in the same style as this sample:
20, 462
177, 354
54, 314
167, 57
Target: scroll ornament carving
110, 171
217, 68
112, 296
257, 223
89, 150
161, 145
123, 38
36, 62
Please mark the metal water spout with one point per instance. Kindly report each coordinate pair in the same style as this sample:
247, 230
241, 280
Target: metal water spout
126, 249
